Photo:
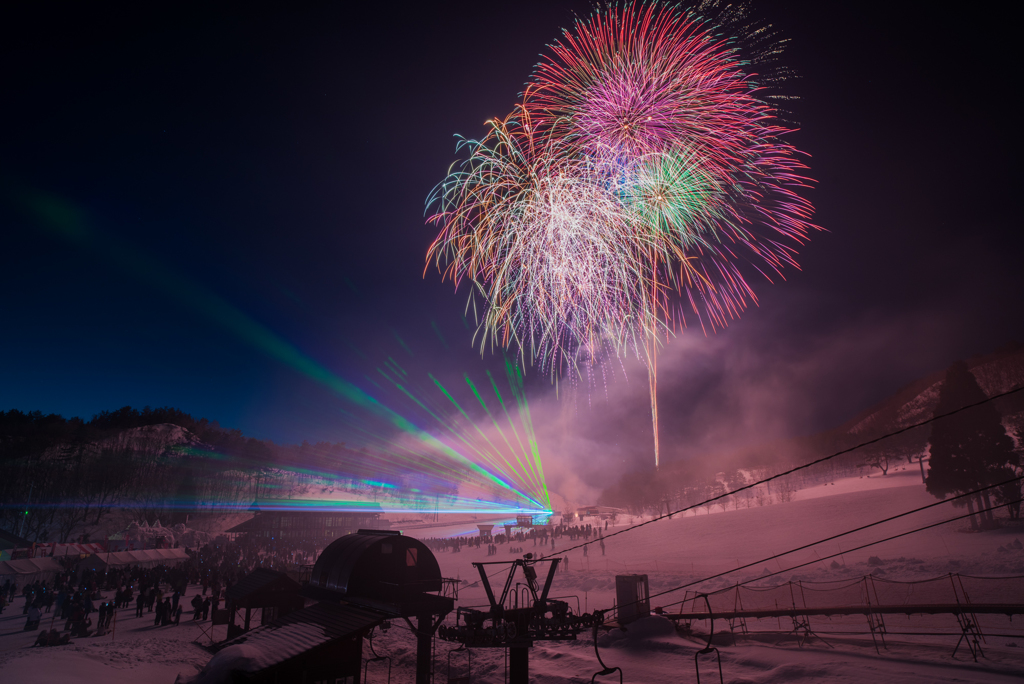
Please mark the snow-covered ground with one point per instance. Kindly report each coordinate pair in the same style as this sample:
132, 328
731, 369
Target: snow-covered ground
671, 552
136, 651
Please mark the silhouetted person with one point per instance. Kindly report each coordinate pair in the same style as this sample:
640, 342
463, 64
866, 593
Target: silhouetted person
167, 613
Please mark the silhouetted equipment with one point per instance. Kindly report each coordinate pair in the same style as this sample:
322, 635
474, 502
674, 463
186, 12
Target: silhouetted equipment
709, 648
274, 592
387, 572
605, 670
513, 625
376, 658
632, 595
460, 678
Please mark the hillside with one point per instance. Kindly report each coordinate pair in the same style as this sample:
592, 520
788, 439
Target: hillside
682, 483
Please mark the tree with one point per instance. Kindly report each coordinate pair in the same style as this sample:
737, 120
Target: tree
880, 461
969, 449
1011, 492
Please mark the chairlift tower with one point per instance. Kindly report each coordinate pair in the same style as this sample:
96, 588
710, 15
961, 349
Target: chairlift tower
513, 623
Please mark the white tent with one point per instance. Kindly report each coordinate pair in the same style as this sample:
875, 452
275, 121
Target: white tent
26, 570
144, 559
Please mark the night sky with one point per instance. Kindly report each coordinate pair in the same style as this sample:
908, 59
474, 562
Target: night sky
276, 163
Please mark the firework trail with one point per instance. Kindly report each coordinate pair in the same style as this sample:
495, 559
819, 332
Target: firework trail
641, 174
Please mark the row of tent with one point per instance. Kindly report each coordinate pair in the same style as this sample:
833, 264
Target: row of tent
44, 569
145, 559
28, 570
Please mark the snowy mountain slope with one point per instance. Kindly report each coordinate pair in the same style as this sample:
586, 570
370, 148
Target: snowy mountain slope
671, 552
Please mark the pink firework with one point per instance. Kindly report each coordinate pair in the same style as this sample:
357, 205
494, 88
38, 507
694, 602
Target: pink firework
645, 84
643, 174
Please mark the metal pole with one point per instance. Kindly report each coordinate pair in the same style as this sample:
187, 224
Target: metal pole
423, 647
519, 665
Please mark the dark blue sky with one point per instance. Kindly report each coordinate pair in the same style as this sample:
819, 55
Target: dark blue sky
278, 161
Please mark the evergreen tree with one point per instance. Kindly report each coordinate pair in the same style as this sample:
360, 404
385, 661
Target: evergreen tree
969, 449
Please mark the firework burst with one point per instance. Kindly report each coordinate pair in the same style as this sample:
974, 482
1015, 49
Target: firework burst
643, 170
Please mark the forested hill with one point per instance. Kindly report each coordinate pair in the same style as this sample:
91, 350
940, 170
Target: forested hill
36, 434
71, 474
995, 373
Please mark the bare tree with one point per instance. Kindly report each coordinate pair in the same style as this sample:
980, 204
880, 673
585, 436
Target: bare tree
878, 460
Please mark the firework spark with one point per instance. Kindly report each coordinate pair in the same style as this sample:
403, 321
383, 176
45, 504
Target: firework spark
643, 168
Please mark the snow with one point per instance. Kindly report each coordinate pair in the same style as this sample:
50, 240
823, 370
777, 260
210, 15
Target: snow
135, 652
671, 552
919, 408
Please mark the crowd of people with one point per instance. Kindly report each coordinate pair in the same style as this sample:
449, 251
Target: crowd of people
77, 593
84, 602
540, 535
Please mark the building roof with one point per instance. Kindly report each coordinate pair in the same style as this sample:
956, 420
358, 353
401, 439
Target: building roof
592, 510
260, 584
293, 635
381, 564
256, 522
13, 541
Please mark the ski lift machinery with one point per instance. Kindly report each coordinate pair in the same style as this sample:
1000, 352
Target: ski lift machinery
508, 624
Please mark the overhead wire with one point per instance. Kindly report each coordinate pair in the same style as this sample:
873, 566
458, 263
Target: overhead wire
824, 558
785, 473
804, 466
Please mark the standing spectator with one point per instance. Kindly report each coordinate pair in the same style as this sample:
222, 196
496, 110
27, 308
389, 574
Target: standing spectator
62, 598
33, 618
168, 616
140, 604
29, 596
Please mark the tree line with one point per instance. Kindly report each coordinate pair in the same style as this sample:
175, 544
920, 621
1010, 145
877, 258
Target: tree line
964, 452
60, 476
